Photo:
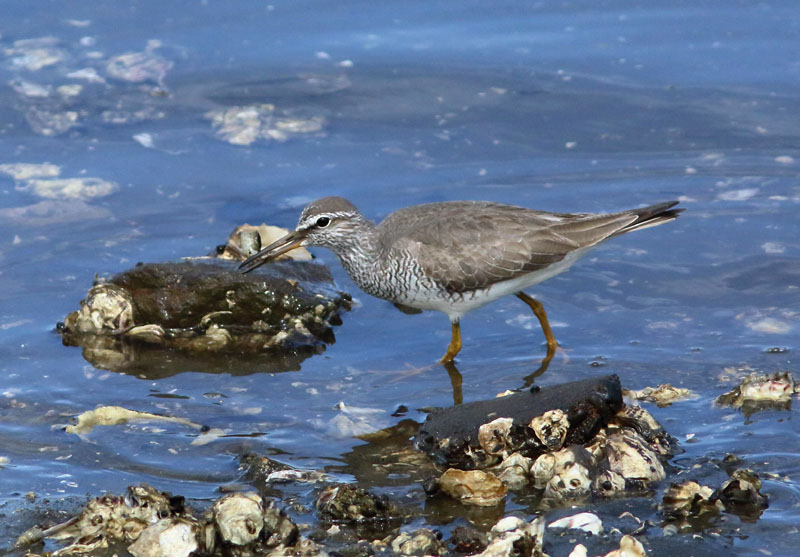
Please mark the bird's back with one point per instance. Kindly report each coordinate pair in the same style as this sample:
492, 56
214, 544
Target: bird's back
468, 245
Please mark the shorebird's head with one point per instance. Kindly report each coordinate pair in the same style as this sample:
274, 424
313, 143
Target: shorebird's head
331, 222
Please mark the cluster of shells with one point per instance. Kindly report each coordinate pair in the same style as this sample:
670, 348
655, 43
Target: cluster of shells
688, 505
758, 391
624, 456
150, 523
109, 310
510, 536
147, 522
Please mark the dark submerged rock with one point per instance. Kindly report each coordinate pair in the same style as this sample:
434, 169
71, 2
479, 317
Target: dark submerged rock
741, 495
467, 541
451, 436
348, 503
370, 516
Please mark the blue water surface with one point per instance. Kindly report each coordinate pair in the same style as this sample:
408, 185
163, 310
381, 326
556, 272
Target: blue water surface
579, 106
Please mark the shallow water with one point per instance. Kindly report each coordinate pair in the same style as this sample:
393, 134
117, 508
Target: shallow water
570, 107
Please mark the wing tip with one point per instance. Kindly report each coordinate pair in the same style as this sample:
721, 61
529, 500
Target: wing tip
654, 215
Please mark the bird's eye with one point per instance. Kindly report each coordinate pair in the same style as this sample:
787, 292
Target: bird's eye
322, 222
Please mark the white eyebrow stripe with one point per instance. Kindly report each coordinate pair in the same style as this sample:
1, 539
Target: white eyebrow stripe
311, 220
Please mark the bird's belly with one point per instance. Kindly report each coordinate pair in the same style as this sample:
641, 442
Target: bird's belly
456, 304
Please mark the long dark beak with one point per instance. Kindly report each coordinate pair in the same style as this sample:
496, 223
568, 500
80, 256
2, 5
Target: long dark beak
287, 243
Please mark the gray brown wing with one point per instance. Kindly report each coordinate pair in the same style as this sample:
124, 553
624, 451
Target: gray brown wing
465, 246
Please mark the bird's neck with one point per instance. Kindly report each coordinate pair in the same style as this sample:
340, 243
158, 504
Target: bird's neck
358, 246
358, 252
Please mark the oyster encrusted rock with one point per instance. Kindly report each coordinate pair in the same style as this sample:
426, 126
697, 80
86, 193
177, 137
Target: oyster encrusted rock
207, 312
476, 434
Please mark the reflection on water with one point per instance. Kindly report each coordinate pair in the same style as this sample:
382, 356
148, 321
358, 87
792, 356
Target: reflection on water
149, 138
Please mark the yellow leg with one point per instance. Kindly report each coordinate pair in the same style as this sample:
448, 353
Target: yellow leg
538, 311
455, 343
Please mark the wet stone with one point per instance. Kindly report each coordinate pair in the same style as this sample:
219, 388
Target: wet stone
166, 538
261, 468
663, 395
454, 437
741, 495
689, 505
210, 313
576, 442
761, 392
473, 487
512, 536
238, 518
418, 542
265, 472
467, 541
348, 503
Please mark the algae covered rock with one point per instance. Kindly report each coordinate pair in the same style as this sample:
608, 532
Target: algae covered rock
209, 316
